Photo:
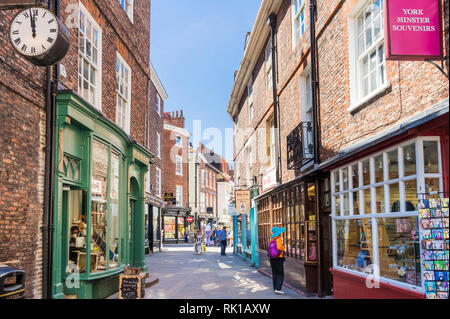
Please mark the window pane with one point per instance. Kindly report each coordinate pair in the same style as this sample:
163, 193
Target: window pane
354, 247
411, 195
338, 205
394, 198
366, 172
355, 203
345, 177
409, 158
355, 176
398, 240
379, 177
393, 164
114, 236
431, 185
367, 202
430, 156
380, 199
336, 181
99, 213
346, 204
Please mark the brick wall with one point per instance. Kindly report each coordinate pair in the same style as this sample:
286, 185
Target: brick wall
170, 179
415, 86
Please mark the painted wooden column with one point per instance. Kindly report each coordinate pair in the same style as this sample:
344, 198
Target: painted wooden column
235, 234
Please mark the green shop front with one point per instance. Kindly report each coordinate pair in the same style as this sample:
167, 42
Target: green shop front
99, 214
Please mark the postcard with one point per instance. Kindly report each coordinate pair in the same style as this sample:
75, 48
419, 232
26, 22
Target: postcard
445, 222
438, 244
425, 213
445, 212
437, 212
437, 234
431, 295
444, 202
435, 203
446, 255
425, 223
430, 286
426, 234
438, 255
429, 275
430, 244
439, 265
428, 265
436, 222
442, 295
446, 233
427, 255
441, 285
439, 276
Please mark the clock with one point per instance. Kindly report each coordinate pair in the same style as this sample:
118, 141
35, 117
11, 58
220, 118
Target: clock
39, 36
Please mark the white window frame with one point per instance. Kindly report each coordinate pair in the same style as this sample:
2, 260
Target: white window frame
355, 59
202, 202
147, 182
158, 182
158, 104
420, 177
179, 165
125, 98
297, 32
179, 138
179, 195
203, 178
158, 145
97, 99
129, 9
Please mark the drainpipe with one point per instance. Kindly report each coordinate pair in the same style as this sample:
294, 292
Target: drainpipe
49, 186
315, 127
272, 22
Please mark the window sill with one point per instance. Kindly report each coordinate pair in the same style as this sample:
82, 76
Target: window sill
370, 98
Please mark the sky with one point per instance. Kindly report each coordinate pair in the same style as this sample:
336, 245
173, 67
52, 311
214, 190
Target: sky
195, 47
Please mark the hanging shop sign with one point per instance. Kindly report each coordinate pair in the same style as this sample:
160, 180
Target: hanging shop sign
413, 30
269, 179
168, 197
10, 4
434, 226
243, 200
38, 35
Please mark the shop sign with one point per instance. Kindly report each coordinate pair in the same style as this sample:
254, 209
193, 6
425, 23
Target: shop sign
243, 200
96, 187
269, 179
168, 197
413, 30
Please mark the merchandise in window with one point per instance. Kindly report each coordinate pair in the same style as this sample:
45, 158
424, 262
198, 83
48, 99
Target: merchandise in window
354, 244
399, 249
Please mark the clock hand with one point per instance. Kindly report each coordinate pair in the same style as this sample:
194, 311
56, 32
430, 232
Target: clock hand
33, 24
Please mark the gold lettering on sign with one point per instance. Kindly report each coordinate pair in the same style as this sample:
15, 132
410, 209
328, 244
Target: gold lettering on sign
141, 157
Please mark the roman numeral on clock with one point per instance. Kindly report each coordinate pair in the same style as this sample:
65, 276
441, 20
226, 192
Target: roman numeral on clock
33, 50
17, 41
24, 48
50, 40
15, 32
50, 21
52, 30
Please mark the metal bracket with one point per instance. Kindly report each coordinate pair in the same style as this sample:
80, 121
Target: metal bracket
440, 67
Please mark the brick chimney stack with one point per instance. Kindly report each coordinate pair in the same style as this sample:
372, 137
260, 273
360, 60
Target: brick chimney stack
174, 118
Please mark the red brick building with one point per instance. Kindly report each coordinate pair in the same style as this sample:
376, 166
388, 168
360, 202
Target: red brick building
175, 176
107, 94
343, 133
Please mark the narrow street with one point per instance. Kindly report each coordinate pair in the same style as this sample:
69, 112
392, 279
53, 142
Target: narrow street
183, 275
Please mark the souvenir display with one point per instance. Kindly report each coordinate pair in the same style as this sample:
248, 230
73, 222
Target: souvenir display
434, 224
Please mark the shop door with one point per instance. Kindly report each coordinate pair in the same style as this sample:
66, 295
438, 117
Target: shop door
151, 229
131, 227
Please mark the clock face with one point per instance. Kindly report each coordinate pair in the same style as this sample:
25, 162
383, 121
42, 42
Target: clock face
34, 31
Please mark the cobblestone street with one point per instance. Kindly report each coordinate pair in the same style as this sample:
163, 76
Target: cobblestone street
183, 275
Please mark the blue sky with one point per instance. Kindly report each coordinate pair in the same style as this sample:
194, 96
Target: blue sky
196, 45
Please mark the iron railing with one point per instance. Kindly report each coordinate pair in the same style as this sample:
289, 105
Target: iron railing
300, 146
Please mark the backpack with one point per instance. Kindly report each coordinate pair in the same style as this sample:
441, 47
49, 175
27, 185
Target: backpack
273, 249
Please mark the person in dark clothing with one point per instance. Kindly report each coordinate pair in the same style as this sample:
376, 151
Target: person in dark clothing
277, 264
223, 240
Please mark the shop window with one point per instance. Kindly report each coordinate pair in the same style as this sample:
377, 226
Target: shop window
355, 176
114, 221
99, 205
392, 182
398, 245
354, 244
71, 167
169, 227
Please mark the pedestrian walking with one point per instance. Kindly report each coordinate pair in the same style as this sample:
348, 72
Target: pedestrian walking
276, 257
216, 237
223, 241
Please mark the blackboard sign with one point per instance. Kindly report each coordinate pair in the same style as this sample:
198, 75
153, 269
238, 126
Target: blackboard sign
132, 287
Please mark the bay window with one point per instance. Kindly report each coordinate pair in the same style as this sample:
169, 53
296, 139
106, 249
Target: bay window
375, 210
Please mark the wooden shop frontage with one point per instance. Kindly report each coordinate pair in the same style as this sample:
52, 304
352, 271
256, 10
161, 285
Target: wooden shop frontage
302, 206
99, 201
